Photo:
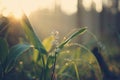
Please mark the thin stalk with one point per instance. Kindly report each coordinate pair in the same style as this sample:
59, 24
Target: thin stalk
93, 35
43, 70
54, 65
82, 46
76, 70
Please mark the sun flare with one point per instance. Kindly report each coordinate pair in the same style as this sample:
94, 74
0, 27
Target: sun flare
17, 7
10, 7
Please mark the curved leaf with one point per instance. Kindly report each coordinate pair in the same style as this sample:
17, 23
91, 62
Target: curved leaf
78, 32
14, 53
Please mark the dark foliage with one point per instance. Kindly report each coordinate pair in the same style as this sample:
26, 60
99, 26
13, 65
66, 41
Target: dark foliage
107, 74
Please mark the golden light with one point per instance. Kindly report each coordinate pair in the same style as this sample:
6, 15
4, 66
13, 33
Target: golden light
47, 4
69, 6
17, 7
87, 4
98, 5
11, 7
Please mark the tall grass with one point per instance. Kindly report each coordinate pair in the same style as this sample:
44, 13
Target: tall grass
62, 61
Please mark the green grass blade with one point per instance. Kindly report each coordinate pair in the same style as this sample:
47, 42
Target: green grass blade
76, 71
15, 52
63, 68
32, 35
78, 32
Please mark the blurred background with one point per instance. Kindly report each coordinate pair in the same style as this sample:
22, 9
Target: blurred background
101, 17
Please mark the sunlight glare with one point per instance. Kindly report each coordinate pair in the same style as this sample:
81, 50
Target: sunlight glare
47, 4
17, 7
11, 7
98, 5
87, 4
69, 6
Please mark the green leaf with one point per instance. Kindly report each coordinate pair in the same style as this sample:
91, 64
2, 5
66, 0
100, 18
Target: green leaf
35, 55
78, 32
15, 52
32, 35
63, 68
3, 50
47, 42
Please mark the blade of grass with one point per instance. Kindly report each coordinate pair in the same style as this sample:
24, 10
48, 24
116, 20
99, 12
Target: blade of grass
63, 68
78, 32
15, 52
76, 70
32, 35
88, 50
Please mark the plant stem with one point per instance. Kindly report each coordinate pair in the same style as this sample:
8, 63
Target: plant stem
44, 73
54, 65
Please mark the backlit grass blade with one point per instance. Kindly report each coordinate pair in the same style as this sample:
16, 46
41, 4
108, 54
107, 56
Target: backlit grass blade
32, 35
76, 71
78, 32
